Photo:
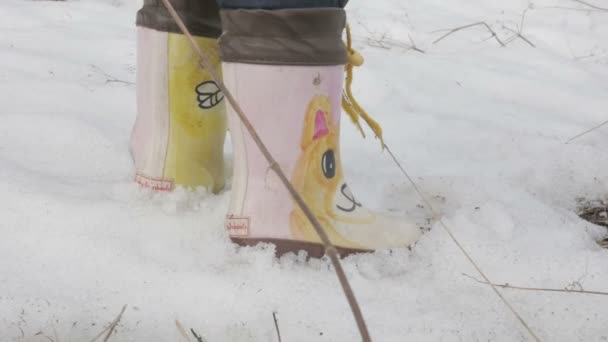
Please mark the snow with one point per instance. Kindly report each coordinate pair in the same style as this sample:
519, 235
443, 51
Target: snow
481, 128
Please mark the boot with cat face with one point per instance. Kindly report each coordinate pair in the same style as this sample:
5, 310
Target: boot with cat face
290, 87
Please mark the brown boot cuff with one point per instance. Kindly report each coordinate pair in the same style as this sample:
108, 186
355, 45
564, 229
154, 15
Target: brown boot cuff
283, 37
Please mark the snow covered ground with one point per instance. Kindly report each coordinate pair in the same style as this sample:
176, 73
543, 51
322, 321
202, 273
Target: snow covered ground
482, 129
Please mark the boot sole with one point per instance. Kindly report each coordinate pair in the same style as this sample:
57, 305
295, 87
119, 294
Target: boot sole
282, 247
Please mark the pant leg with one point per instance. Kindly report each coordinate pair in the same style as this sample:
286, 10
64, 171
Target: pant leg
280, 4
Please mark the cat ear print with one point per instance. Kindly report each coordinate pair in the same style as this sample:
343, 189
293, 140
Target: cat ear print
321, 128
318, 120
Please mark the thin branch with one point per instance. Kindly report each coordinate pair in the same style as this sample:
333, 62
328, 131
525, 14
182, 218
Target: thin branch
591, 5
330, 249
481, 23
198, 337
507, 286
276, 326
587, 132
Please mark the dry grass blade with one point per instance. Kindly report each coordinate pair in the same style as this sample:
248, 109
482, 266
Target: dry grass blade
481, 23
110, 328
115, 323
109, 78
330, 249
539, 289
587, 132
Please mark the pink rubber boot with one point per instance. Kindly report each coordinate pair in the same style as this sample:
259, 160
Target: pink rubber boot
296, 111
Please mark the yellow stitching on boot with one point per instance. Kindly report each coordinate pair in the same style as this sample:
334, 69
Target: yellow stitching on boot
349, 103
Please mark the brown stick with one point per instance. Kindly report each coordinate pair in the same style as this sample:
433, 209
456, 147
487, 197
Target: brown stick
481, 23
542, 289
330, 249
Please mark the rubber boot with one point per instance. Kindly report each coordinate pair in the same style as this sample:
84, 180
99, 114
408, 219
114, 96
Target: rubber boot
179, 133
290, 88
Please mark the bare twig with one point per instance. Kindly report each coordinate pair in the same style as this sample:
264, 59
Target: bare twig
182, 331
276, 326
481, 23
591, 5
198, 337
518, 33
330, 249
587, 132
110, 328
379, 42
507, 286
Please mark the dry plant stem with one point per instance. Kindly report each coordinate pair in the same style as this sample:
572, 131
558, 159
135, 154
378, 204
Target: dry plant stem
276, 326
110, 328
587, 132
466, 254
481, 23
115, 323
330, 250
518, 33
542, 289
414, 47
110, 78
591, 5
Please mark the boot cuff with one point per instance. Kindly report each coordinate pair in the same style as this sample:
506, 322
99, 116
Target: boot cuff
311, 36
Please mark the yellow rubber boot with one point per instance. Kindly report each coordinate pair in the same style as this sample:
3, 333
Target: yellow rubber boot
179, 133
195, 155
